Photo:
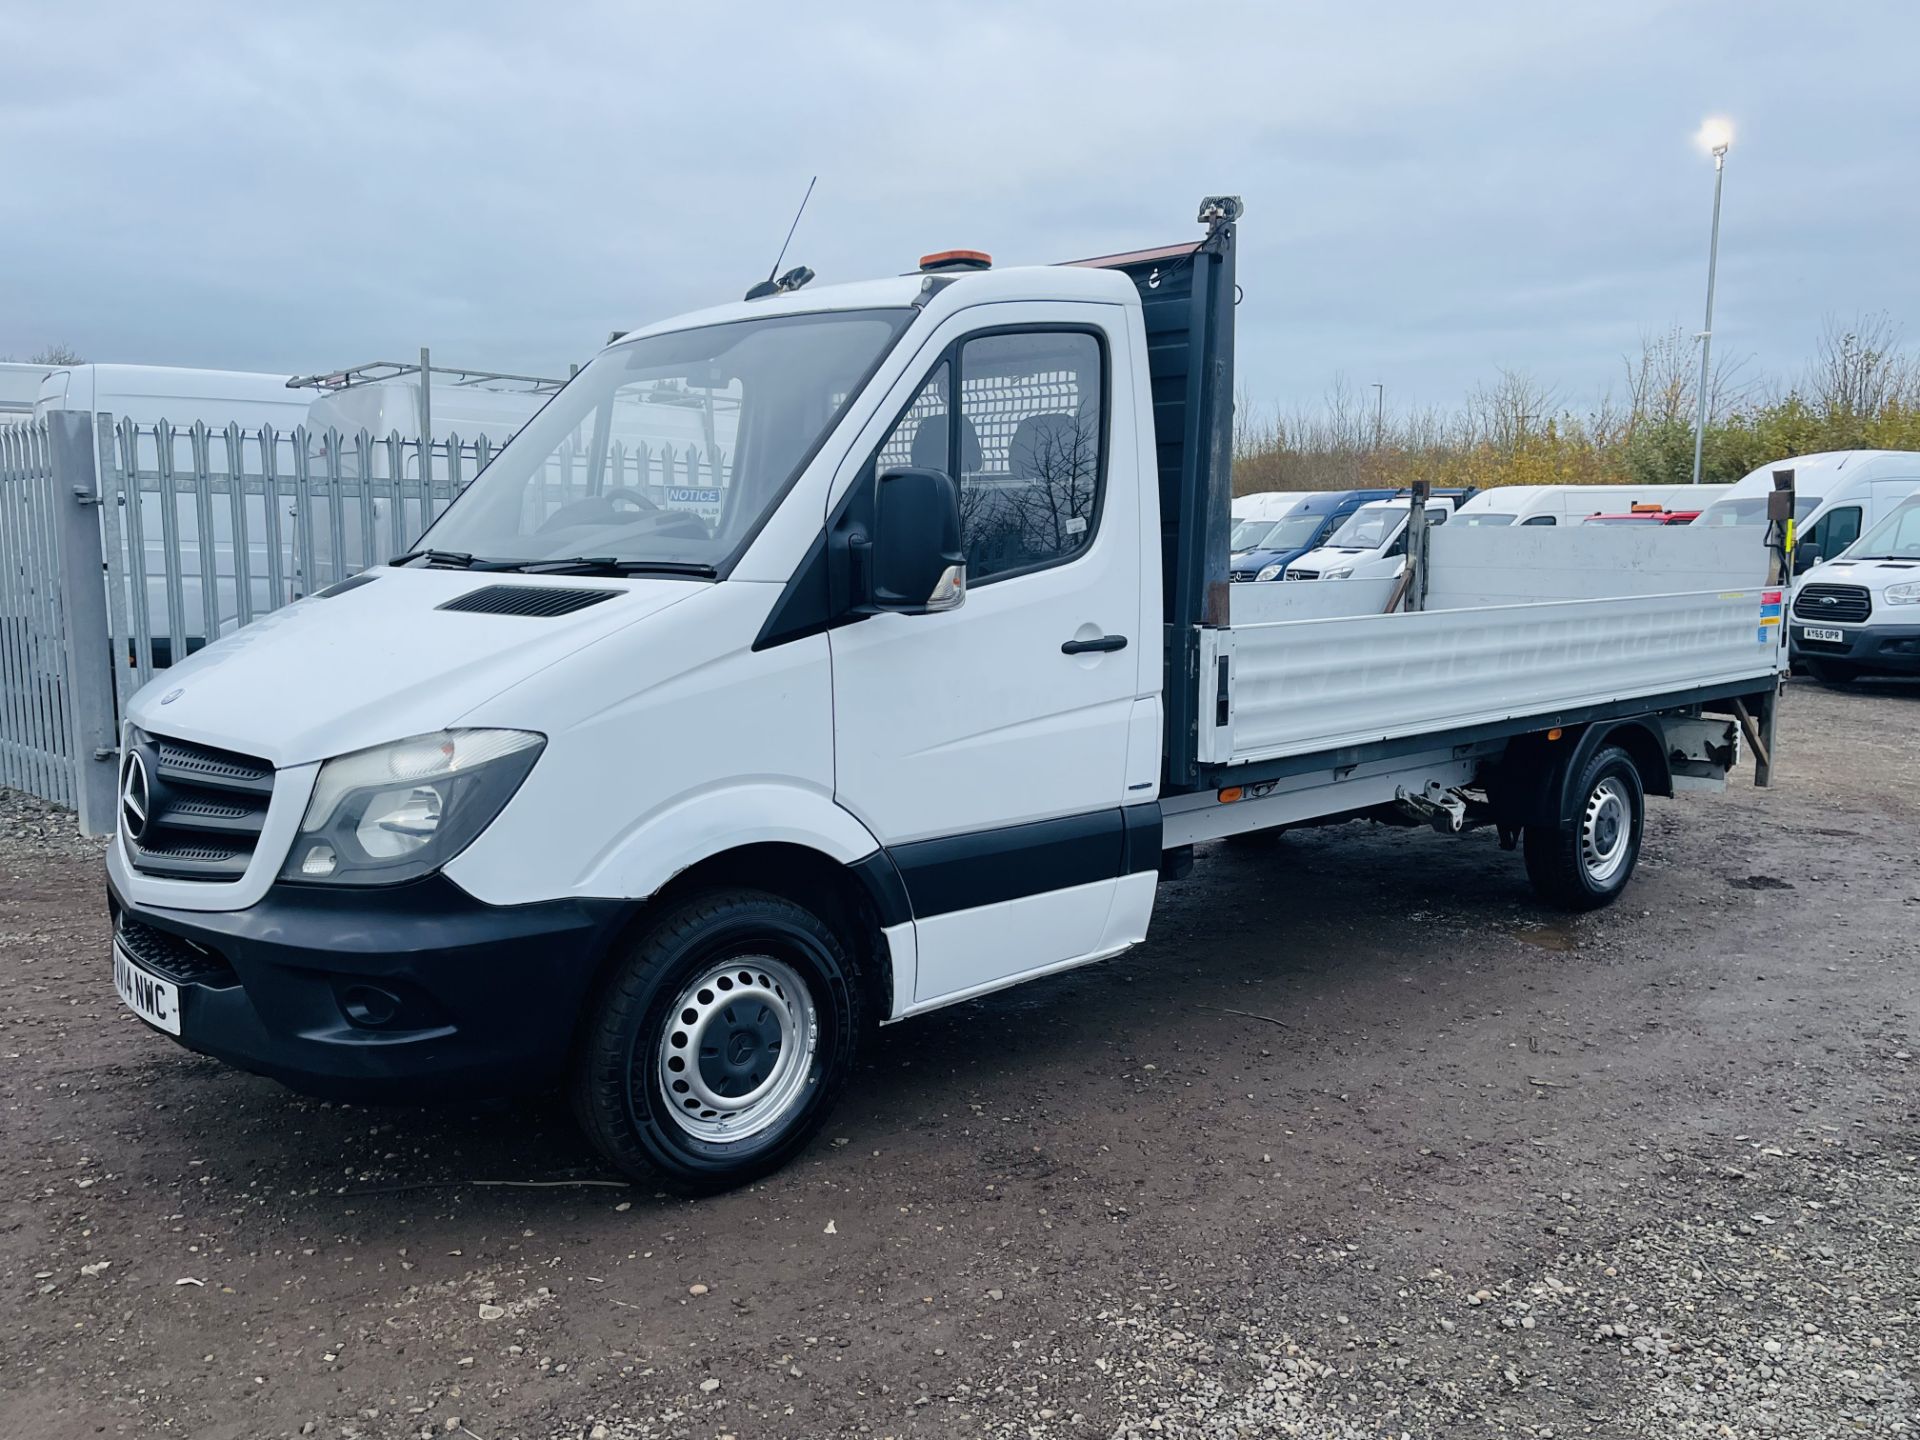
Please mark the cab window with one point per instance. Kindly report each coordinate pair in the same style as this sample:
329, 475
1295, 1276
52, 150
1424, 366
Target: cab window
1017, 418
1831, 534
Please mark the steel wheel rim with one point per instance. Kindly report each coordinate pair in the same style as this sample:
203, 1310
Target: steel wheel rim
1606, 830
735, 1053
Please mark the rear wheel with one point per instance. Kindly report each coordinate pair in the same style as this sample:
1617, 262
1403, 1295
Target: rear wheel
1828, 672
719, 1042
1585, 860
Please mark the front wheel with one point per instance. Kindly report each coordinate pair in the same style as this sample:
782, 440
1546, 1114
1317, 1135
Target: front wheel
718, 1043
1585, 860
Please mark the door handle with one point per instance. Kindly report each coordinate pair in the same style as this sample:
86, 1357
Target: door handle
1104, 642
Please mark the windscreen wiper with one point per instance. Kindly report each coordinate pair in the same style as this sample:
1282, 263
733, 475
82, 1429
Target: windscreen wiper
455, 560
609, 565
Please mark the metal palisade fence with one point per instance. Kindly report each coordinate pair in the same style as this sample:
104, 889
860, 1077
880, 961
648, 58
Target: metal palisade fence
38, 740
205, 530
126, 546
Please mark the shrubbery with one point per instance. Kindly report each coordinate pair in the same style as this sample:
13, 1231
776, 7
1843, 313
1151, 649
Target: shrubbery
1859, 392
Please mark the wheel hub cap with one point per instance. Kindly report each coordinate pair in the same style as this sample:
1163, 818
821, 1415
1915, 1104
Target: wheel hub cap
736, 1052
1605, 828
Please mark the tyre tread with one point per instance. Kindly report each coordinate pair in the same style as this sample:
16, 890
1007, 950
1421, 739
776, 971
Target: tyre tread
597, 1088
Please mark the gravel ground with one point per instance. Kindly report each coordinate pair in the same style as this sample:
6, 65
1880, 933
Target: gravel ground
1363, 1143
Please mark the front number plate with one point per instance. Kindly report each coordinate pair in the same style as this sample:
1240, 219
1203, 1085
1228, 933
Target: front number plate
1832, 637
154, 1000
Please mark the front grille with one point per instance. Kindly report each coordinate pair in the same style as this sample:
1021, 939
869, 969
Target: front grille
1303, 574
191, 812
1843, 604
171, 957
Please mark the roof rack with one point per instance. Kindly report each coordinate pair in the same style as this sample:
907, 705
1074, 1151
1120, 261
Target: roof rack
375, 371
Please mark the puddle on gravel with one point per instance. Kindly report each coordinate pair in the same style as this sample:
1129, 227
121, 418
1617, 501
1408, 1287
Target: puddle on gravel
1760, 882
1548, 937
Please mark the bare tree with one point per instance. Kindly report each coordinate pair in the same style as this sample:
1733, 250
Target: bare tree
1858, 369
1504, 413
56, 355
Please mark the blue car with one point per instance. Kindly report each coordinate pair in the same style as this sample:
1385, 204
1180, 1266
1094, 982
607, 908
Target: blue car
1262, 549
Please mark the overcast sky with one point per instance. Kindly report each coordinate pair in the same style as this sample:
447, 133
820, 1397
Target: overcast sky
1432, 191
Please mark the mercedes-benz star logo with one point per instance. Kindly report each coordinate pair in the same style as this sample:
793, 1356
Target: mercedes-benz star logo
133, 796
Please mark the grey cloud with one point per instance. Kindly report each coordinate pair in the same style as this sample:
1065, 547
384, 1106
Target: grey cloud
1431, 192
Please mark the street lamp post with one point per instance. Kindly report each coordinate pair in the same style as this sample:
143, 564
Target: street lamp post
1716, 135
1379, 411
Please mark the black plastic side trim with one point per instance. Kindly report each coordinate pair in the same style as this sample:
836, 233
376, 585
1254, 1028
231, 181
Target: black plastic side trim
805, 607
878, 876
986, 867
1140, 844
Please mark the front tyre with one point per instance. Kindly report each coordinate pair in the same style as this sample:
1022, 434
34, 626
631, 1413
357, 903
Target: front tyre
1585, 860
718, 1043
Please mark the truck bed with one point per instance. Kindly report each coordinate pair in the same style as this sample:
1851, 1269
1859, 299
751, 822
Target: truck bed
1518, 625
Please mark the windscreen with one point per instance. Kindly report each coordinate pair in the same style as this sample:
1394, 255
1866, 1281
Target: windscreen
1248, 534
1367, 530
1895, 538
1291, 532
1752, 510
670, 449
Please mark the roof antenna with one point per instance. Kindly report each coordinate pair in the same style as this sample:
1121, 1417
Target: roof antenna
795, 277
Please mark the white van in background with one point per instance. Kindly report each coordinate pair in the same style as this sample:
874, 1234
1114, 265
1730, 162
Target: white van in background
1838, 496
19, 388
1573, 504
1859, 613
176, 394
1372, 545
1268, 504
385, 398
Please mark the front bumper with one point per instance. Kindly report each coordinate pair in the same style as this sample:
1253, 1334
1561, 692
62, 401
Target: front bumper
366, 994
1887, 649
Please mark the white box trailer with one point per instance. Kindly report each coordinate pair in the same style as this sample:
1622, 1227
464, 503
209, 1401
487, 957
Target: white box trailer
594, 789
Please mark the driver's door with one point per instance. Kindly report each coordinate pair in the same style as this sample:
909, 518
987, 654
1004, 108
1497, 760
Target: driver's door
994, 748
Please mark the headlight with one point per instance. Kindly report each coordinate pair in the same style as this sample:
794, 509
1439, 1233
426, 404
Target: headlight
400, 811
1337, 574
1908, 594
1268, 572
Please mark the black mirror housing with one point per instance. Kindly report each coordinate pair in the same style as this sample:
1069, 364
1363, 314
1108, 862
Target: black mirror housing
915, 560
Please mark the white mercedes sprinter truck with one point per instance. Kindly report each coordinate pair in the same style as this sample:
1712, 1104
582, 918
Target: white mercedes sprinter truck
594, 790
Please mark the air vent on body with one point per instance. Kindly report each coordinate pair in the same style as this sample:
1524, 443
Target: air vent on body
539, 600
340, 587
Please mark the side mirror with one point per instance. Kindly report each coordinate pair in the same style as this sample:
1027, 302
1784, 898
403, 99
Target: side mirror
1805, 557
916, 565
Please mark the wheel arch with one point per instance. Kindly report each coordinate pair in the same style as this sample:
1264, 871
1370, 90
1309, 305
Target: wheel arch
858, 900
1532, 784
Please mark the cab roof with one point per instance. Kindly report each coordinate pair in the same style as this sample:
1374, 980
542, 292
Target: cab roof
944, 291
